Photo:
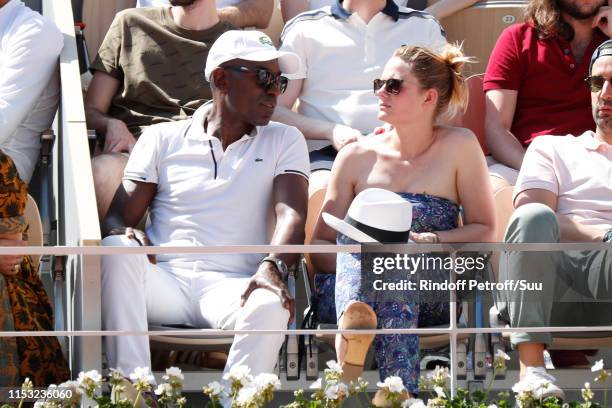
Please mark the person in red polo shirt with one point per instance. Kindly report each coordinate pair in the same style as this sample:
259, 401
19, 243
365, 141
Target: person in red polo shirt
534, 81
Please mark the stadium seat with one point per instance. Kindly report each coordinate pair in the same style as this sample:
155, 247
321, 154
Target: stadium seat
470, 25
35, 230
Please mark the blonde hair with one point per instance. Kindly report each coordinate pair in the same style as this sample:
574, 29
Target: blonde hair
441, 71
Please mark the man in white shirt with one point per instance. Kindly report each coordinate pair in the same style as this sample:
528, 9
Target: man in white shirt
439, 9
227, 176
563, 194
343, 48
29, 82
240, 13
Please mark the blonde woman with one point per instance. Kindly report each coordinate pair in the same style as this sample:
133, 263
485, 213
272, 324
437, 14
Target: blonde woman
438, 169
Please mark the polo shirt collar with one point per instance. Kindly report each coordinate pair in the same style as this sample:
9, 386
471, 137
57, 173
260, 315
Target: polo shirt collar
592, 143
391, 9
196, 127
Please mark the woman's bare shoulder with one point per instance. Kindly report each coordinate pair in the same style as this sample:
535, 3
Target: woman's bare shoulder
358, 150
457, 137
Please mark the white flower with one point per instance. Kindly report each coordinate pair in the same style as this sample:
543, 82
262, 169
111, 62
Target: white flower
89, 382
492, 406
117, 374
92, 376
316, 385
215, 389
599, 365
438, 376
246, 396
142, 378
27, 384
440, 392
502, 354
337, 391
392, 384
333, 367
239, 373
174, 373
266, 381
522, 387
75, 392
413, 403
587, 393
142, 374
163, 389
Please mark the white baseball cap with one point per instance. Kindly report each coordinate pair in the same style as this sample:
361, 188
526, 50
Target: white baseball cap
251, 46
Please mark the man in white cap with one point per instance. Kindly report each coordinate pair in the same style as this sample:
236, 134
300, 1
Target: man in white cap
225, 177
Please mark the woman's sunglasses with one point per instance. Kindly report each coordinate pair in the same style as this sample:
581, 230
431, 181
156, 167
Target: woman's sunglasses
596, 82
265, 79
391, 85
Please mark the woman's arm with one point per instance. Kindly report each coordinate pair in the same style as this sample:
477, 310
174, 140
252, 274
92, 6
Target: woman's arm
474, 192
340, 193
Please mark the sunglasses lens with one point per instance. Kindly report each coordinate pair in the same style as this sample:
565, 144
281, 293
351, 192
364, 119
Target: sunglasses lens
283, 82
391, 85
378, 83
596, 83
267, 80
394, 86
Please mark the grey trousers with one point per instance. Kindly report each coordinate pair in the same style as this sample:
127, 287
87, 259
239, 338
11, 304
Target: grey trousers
576, 286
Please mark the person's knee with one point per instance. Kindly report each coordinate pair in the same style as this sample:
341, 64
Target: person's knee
107, 167
317, 182
267, 310
110, 263
533, 222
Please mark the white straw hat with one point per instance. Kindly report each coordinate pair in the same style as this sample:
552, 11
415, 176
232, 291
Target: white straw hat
375, 215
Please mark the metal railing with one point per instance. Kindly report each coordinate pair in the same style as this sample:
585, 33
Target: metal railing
76, 210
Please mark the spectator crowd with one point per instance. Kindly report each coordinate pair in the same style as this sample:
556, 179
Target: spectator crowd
208, 134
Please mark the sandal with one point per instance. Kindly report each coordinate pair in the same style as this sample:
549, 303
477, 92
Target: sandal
357, 315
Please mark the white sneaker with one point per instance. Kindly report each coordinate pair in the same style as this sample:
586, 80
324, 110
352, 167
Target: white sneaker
540, 382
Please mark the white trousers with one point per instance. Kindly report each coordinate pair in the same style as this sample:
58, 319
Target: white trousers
136, 292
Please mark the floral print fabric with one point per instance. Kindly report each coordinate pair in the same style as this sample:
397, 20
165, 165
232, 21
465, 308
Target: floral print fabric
396, 355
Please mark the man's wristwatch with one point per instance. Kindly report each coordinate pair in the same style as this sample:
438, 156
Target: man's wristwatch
608, 236
280, 265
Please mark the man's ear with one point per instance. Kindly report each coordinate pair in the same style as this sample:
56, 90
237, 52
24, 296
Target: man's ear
219, 79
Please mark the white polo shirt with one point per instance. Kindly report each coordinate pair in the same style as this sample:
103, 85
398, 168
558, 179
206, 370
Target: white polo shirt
315, 4
29, 82
160, 3
578, 170
341, 55
208, 196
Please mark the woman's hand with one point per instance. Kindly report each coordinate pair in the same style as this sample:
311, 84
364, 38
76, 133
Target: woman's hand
10, 264
425, 237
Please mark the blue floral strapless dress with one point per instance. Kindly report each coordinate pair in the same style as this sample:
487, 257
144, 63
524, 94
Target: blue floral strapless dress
395, 354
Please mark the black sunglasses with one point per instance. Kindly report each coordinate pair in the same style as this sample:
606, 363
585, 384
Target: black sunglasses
265, 79
596, 82
391, 85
